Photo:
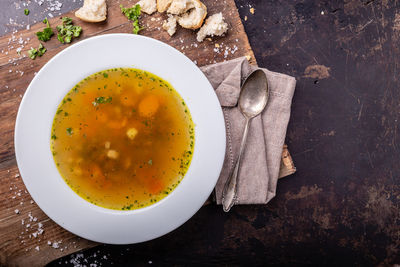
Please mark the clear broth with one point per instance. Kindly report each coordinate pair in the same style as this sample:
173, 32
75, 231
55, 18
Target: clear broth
122, 138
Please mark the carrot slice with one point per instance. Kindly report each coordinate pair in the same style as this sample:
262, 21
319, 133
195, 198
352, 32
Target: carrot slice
148, 106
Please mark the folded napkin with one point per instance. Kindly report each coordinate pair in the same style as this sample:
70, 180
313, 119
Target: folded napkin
261, 159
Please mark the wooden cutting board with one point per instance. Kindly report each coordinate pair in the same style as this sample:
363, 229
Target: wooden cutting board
27, 236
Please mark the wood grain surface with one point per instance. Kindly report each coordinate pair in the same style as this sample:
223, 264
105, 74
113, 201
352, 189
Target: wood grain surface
27, 235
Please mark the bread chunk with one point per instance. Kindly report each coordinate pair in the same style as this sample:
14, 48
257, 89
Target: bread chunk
193, 19
148, 6
92, 11
214, 26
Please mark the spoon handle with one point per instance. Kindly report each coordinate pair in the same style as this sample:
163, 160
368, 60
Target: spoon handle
230, 188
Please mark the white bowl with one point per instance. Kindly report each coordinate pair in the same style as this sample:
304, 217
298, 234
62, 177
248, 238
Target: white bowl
33, 127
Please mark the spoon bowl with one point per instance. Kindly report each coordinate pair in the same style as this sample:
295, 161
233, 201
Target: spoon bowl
254, 94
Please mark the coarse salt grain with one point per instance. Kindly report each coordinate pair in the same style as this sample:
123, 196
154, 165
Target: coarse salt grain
55, 245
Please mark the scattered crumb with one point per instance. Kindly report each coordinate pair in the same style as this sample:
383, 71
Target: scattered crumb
252, 10
16, 211
245, 18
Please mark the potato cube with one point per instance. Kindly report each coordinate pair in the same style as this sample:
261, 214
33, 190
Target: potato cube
131, 133
107, 145
112, 154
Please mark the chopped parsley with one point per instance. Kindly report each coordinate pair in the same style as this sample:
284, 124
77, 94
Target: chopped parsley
69, 131
101, 100
26, 11
133, 14
67, 31
33, 53
47, 32
105, 75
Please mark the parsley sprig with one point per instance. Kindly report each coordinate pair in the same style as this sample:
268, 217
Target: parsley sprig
33, 53
67, 31
133, 14
47, 32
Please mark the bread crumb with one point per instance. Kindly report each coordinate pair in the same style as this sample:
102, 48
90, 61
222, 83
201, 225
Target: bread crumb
248, 57
245, 18
170, 25
252, 10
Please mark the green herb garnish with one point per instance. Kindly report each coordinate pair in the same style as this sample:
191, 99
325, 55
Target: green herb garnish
46, 34
67, 31
136, 27
41, 50
101, 100
33, 53
133, 14
69, 131
150, 162
26, 11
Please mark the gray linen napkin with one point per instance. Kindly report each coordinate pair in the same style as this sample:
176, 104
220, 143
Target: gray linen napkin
260, 164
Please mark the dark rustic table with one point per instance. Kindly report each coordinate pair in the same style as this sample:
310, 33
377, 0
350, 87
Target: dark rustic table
342, 205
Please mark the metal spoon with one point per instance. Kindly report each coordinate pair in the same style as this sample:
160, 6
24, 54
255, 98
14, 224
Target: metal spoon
252, 100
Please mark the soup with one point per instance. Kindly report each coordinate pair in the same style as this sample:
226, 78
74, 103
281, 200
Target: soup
122, 138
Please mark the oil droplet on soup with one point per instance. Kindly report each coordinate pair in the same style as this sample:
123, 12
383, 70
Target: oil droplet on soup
122, 138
